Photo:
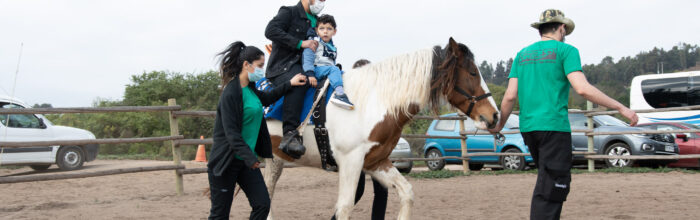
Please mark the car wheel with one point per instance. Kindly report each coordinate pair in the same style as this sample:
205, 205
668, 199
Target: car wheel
513, 162
475, 166
407, 169
40, 167
618, 149
70, 158
434, 164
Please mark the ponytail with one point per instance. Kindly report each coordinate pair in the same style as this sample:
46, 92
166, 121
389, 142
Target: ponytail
232, 59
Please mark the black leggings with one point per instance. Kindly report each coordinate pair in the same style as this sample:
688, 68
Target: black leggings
252, 183
380, 197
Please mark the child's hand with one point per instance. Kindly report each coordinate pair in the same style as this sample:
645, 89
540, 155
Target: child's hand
298, 80
312, 81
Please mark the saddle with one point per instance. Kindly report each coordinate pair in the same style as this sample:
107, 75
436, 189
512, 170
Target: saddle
318, 118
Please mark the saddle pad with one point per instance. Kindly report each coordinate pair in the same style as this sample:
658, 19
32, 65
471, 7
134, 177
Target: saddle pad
275, 110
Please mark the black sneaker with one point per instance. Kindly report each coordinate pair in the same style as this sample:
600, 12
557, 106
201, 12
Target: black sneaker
342, 101
292, 145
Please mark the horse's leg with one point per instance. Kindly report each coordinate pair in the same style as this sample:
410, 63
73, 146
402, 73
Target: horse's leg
349, 167
272, 173
390, 176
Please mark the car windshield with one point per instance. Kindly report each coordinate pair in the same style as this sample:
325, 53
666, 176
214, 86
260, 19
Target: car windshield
608, 120
513, 122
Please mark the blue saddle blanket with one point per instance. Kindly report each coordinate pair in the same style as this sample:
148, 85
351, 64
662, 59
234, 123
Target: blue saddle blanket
275, 110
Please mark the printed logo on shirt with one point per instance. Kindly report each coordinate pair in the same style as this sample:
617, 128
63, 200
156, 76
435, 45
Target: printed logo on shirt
548, 55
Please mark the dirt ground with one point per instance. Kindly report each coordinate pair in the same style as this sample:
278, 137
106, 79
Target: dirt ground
307, 193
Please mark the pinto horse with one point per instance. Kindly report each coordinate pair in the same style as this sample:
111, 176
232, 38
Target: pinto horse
386, 95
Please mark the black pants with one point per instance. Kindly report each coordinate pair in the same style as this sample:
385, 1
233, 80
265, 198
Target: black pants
252, 183
293, 99
551, 151
380, 197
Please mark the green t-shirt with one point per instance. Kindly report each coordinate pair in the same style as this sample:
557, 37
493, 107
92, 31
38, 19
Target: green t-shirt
252, 117
543, 89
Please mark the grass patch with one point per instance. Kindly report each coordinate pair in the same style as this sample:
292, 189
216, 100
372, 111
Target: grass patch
419, 164
453, 173
132, 157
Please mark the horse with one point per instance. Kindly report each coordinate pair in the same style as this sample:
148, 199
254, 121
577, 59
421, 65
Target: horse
386, 95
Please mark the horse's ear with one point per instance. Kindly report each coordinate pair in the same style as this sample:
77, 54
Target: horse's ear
453, 47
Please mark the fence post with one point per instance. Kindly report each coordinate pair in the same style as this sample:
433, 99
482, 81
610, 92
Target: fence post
177, 153
591, 162
463, 142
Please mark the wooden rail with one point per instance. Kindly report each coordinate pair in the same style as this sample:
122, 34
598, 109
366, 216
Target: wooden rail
60, 176
20, 144
89, 110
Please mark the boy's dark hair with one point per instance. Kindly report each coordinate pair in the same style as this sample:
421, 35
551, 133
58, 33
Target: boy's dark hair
547, 28
359, 63
326, 19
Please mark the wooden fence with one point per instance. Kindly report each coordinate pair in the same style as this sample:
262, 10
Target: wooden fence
177, 140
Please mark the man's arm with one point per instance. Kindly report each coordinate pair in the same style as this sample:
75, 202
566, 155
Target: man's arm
589, 92
276, 29
507, 103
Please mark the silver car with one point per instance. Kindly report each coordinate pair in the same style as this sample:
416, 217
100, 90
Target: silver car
623, 144
402, 150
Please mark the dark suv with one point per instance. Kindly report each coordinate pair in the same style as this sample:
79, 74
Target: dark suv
623, 144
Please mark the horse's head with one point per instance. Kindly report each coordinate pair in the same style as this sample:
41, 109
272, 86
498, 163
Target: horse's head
457, 78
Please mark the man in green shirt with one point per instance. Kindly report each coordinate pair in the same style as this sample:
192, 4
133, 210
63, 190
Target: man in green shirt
540, 78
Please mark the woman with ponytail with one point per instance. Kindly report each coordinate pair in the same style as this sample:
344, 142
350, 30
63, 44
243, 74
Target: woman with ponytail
240, 133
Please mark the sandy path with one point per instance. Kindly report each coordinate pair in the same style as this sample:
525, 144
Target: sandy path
306, 193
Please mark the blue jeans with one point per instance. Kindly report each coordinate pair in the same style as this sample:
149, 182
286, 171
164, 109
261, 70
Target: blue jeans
334, 74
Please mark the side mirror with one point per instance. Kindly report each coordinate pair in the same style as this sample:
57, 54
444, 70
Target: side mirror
683, 137
42, 125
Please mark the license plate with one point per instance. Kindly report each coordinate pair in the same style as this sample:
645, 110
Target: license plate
670, 148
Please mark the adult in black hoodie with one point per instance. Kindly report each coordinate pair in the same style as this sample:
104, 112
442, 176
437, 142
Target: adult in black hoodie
287, 31
240, 132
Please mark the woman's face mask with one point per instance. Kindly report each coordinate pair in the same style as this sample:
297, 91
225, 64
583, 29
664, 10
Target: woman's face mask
256, 75
317, 7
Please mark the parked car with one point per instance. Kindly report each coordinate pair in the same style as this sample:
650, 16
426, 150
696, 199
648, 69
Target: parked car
402, 150
437, 147
35, 127
688, 143
624, 144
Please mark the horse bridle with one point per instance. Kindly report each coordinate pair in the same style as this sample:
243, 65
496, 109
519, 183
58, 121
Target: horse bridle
472, 99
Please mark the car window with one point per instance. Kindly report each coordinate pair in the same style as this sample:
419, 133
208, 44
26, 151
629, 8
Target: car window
610, 120
577, 121
469, 125
445, 125
18, 120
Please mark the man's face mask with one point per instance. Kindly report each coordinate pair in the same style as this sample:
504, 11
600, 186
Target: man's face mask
317, 7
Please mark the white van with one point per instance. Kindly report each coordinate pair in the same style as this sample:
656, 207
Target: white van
35, 127
665, 91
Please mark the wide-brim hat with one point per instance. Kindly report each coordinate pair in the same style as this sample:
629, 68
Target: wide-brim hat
554, 15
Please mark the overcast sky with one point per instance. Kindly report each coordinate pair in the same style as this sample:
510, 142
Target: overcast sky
79, 50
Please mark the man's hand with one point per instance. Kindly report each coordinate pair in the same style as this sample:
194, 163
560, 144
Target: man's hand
313, 81
256, 165
311, 44
298, 80
629, 114
497, 129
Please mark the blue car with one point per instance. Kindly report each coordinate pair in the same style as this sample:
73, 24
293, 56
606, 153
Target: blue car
435, 147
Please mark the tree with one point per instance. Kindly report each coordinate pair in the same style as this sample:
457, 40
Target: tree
486, 71
43, 105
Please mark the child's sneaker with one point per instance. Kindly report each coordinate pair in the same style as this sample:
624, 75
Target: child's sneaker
342, 101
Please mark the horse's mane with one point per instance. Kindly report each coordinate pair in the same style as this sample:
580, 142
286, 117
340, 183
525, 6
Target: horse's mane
398, 81
442, 83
